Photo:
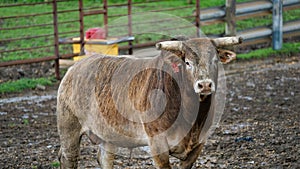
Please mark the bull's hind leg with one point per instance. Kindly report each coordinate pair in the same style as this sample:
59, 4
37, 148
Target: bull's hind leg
106, 156
69, 133
160, 153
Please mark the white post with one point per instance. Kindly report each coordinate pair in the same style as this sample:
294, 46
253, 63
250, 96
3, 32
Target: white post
277, 25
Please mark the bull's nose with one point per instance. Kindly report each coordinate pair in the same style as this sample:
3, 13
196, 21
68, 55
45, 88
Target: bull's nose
204, 87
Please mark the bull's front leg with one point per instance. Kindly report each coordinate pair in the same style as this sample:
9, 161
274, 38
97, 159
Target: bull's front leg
160, 152
192, 157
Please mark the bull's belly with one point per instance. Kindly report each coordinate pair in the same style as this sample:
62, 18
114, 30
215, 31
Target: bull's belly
129, 137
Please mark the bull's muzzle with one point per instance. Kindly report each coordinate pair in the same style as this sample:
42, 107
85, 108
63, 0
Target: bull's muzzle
204, 88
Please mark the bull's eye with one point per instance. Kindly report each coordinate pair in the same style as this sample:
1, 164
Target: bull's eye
188, 64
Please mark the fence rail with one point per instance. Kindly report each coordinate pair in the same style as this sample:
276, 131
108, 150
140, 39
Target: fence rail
228, 14
244, 11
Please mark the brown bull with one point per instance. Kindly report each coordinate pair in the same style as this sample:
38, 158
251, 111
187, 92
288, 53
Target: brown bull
162, 102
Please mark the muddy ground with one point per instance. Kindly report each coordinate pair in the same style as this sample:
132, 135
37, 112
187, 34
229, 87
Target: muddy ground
260, 127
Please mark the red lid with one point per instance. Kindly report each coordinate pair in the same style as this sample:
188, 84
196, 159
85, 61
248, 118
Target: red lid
95, 33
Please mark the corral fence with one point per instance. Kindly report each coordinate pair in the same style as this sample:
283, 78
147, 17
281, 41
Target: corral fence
55, 47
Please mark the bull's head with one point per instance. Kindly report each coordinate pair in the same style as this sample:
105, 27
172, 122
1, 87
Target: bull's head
201, 57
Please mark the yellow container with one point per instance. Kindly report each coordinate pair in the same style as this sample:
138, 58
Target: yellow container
77, 58
90, 49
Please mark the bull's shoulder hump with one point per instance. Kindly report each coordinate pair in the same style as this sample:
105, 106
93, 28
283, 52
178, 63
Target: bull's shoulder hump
92, 62
137, 57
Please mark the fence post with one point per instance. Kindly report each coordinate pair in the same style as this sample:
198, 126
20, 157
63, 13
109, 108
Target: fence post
105, 17
198, 18
130, 51
277, 25
81, 31
56, 42
230, 25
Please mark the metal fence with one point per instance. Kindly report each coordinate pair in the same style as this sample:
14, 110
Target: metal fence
233, 12
55, 46
51, 38
57, 49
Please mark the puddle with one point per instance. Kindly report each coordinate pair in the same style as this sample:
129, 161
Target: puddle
25, 116
29, 99
44, 114
245, 97
3, 113
236, 128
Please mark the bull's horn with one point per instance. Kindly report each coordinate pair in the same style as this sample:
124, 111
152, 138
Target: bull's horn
227, 41
169, 45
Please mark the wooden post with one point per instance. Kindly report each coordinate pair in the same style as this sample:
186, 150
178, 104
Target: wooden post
198, 18
230, 25
129, 6
81, 27
105, 17
56, 42
277, 25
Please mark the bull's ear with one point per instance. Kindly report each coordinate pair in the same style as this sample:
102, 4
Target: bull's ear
226, 56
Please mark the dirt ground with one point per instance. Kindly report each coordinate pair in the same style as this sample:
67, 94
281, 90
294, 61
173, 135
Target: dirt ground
260, 127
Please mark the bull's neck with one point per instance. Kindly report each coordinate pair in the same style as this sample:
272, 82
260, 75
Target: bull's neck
204, 108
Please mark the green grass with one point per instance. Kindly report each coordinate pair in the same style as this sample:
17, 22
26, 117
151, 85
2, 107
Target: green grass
55, 164
26, 121
25, 83
97, 21
287, 48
